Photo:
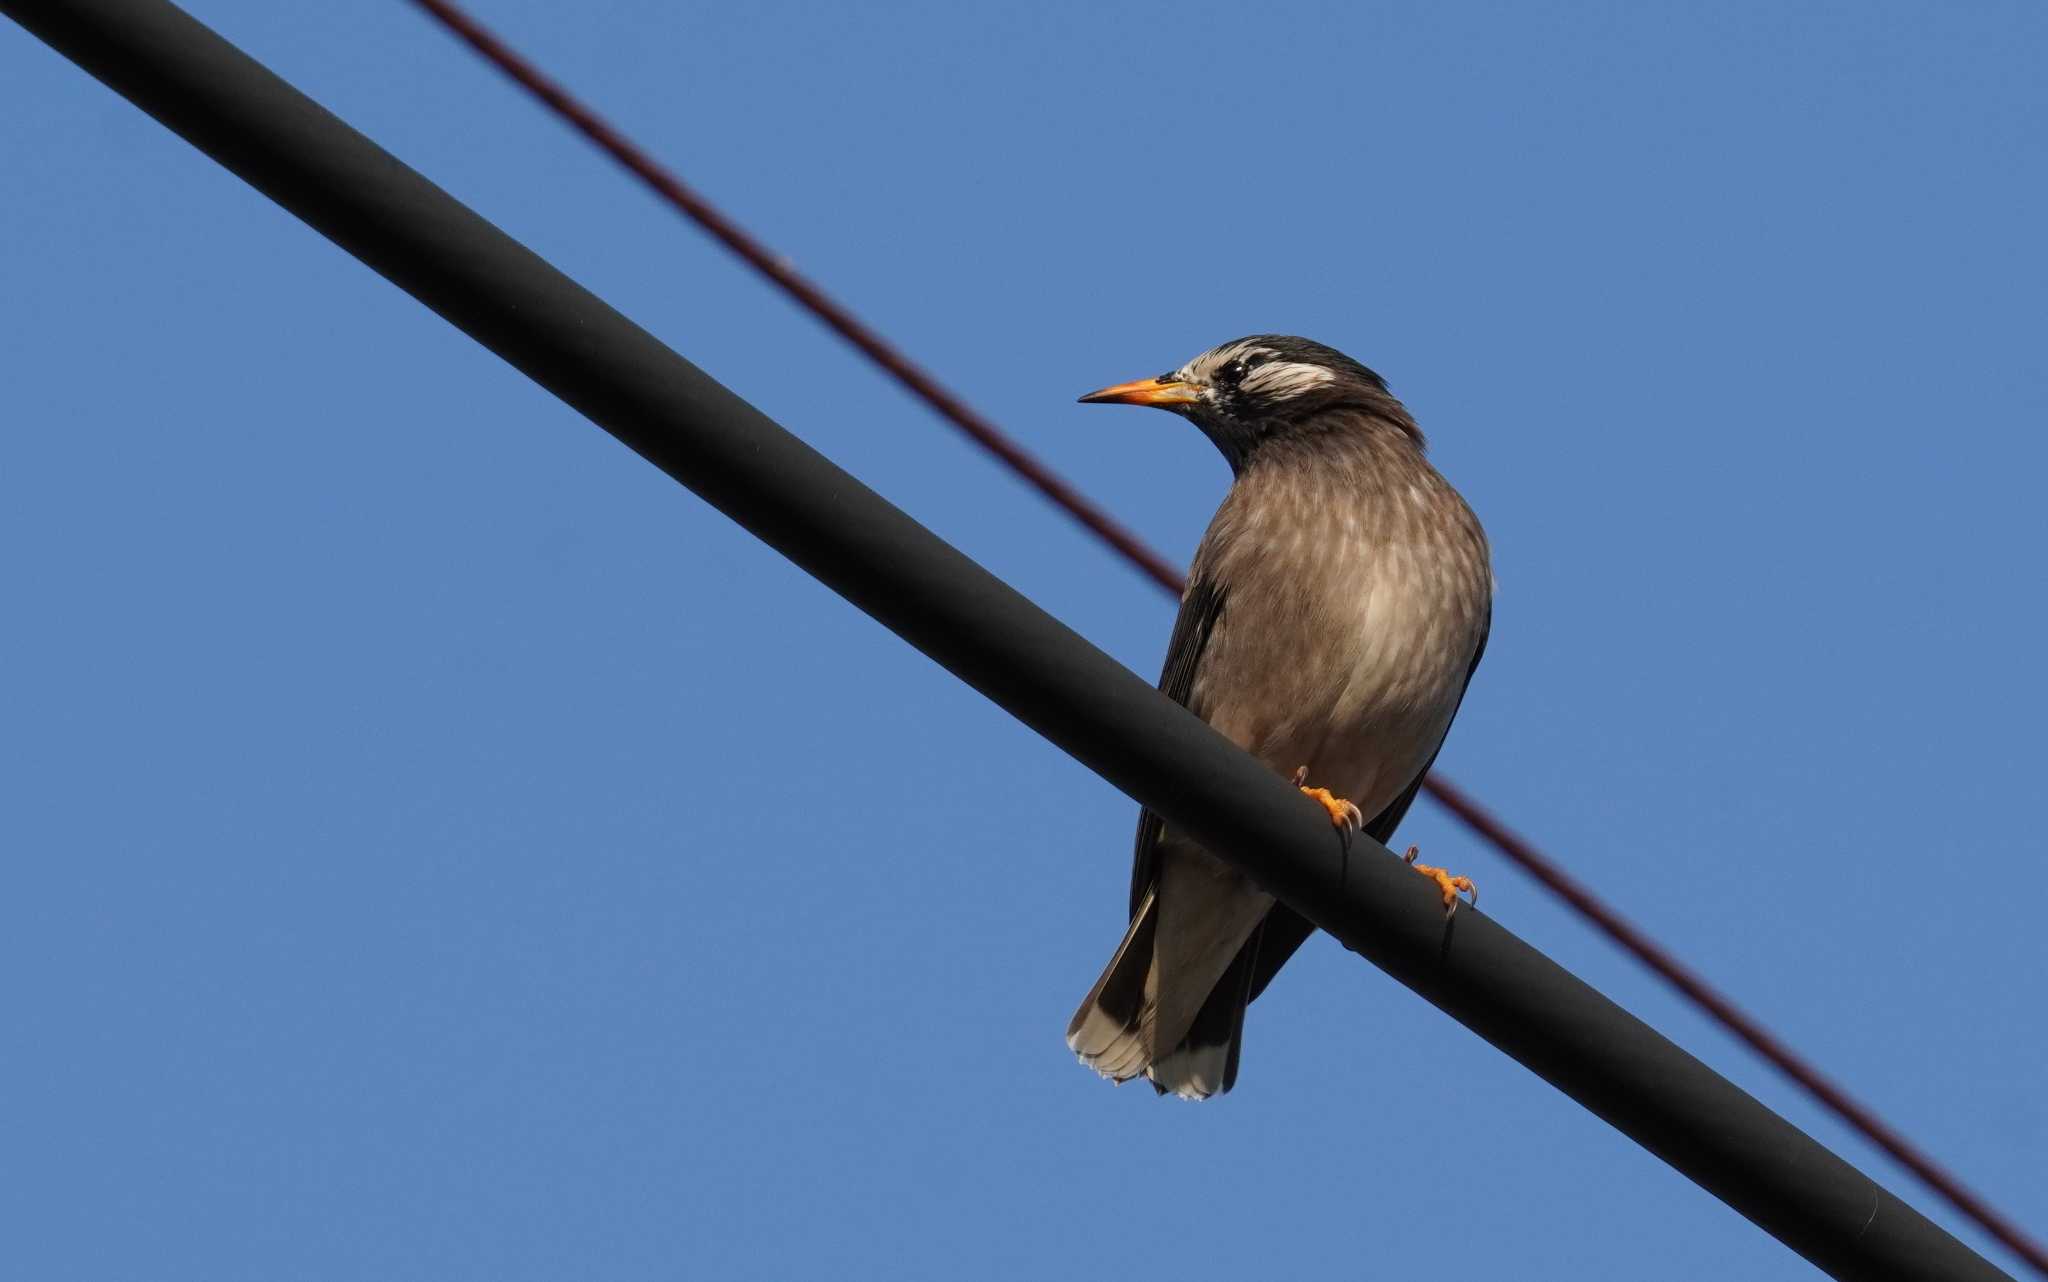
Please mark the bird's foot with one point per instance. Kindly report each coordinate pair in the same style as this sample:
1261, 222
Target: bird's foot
1448, 884
1346, 817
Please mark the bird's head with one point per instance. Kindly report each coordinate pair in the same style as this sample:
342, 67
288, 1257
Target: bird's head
1245, 392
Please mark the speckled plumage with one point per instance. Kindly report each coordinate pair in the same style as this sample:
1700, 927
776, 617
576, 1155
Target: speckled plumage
1357, 589
1341, 597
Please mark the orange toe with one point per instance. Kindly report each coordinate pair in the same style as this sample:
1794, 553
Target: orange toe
1342, 813
1450, 885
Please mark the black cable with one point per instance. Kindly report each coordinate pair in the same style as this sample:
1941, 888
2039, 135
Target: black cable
681, 420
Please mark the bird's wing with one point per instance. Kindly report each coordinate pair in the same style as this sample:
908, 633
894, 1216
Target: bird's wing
1285, 930
1200, 606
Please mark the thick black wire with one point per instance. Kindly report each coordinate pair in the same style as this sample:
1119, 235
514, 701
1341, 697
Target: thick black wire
1547, 871
927, 592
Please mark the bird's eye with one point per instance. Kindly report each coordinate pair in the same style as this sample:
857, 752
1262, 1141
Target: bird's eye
1232, 373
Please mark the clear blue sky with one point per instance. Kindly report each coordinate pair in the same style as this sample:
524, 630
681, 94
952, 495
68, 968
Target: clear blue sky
439, 847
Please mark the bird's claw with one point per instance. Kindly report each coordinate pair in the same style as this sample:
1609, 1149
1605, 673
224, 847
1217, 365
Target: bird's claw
1445, 882
1348, 819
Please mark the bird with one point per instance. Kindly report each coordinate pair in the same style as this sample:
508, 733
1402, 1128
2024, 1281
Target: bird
1334, 614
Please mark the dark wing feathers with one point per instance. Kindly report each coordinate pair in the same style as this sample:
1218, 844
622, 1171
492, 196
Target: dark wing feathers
1200, 607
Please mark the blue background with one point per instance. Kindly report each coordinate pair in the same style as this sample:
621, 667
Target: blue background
438, 847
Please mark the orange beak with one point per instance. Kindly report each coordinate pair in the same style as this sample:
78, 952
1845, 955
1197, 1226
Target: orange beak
1164, 393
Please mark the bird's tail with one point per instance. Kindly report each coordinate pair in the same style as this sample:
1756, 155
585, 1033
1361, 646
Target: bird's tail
1114, 1031
1205, 1062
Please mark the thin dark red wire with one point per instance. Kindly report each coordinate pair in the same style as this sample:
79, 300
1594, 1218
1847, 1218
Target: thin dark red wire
985, 433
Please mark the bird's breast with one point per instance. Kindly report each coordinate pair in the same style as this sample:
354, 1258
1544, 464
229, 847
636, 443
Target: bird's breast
1355, 595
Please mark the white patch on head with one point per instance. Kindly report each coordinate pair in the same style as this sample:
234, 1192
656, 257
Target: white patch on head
1268, 377
1283, 380
1204, 367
